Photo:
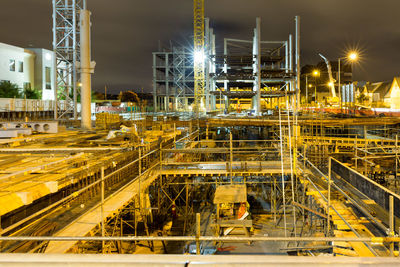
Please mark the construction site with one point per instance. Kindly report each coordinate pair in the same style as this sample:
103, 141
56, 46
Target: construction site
230, 168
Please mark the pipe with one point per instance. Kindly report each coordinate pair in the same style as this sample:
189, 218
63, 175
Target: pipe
376, 240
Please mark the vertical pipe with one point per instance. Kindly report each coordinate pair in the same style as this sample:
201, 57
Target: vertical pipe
355, 147
391, 224
167, 82
207, 63
212, 67
140, 178
86, 120
186, 203
74, 60
174, 135
297, 57
328, 224
290, 53
306, 89
258, 66
102, 208
365, 148
197, 233
286, 57
339, 89
297, 101
55, 60
226, 73
155, 108
230, 155
396, 166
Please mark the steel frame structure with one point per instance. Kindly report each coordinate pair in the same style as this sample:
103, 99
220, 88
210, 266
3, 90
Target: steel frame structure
254, 64
66, 47
172, 79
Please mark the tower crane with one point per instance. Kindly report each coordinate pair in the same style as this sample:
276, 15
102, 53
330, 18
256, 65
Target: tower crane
198, 56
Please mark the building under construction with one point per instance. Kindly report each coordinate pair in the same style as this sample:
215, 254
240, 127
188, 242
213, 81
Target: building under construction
228, 165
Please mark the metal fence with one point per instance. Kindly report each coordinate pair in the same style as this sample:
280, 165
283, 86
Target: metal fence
368, 187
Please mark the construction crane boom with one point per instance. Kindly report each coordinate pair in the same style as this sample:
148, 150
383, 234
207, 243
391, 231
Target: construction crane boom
331, 80
198, 55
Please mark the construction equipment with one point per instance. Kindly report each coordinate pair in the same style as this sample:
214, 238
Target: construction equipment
199, 55
125, 132
333, 99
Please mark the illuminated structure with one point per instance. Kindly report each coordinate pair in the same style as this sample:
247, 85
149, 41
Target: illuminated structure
198, 56
66, 45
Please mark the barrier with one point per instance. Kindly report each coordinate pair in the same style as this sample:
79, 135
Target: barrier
368, 187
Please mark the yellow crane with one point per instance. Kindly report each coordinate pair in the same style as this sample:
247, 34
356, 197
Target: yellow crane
198, 56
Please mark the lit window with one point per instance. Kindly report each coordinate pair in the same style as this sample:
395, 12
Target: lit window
20, 66
48, 77
12, 65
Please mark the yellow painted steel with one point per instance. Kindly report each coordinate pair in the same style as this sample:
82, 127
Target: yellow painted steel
198, 58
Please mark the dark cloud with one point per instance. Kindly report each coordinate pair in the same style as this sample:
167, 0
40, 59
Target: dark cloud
126, 32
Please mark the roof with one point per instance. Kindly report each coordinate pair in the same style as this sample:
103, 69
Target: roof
230, 194
381, 88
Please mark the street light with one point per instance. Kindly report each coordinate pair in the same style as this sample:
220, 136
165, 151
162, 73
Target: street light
314, 73
352, 56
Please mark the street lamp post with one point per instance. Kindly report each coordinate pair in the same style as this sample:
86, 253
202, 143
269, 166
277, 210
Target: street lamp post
352, 56
315, 73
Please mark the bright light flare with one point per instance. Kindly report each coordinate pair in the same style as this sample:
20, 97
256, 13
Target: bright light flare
198, 56
353, 56
330, 84
315, 73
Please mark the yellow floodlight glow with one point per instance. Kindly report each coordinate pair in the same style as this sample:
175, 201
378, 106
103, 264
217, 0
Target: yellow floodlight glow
330, 84
353, 56
315, 73
310, 85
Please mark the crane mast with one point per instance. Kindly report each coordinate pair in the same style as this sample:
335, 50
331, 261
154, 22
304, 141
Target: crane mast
198, 56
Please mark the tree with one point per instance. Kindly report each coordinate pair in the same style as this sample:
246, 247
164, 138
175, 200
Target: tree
9, 90
32, 93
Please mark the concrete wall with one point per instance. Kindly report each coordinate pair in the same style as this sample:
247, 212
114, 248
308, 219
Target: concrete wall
20, 55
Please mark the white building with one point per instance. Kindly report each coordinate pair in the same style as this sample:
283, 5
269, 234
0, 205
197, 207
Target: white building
28, 68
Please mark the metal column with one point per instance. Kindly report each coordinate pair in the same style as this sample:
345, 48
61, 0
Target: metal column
257, 67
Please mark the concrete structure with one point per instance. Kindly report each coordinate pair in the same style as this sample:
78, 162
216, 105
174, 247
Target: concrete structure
86, 69
28, 68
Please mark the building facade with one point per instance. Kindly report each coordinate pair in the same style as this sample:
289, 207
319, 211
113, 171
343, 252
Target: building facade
28, 68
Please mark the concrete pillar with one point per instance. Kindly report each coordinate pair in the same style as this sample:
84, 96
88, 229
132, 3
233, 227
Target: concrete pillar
86, 70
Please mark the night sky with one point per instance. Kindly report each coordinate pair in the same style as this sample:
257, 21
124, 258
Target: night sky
126, 32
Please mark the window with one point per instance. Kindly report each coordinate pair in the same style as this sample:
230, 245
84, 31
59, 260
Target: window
20, 66
12, 64
27, 85
48, 77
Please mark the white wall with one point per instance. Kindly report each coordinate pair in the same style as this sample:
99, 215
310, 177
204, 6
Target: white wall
44, 58
9, 52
